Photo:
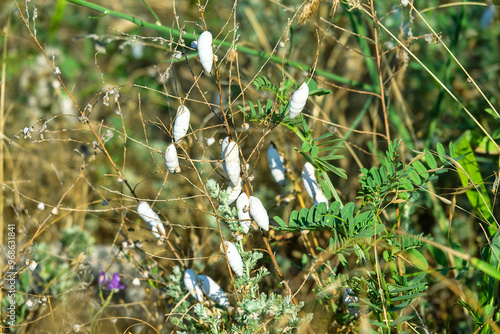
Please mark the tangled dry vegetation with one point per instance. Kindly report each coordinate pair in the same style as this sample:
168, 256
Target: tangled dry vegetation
88, 102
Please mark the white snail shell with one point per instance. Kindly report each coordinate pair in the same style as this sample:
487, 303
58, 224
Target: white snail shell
191, 284
298, 100
181, 123
171, 159
151, 218
213, 290
259, 213
243, 206
311, 185
231, 160
234, 258
276, 164
205, 50
223, 145
234, 191
349, 298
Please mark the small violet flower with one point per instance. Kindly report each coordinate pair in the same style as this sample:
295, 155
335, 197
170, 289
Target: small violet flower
113, 284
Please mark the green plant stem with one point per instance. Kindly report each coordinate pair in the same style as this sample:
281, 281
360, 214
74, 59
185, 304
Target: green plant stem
106, 303
158, 22
243, 49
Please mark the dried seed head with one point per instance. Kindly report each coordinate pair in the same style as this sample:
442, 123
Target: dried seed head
210, 141
177, 55
309, 9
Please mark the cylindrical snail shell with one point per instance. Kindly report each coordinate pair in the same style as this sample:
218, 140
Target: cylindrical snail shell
234, 258
191, 284
231, 160
320, 198
243, 206
259, 213
234, 191
181, 123
348, 297
311, 185
205, 50
213, 290
151, 218
276, 164
298, 100
223, 146
171, 159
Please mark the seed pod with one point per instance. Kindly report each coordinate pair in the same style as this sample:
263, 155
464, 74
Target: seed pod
259, 213
276, 164
234, 191
205, 50
243, 206
151, 218
213, 290
234, 258
181, 123
191, 284
311, 185
298, 100
171, 159
231, 160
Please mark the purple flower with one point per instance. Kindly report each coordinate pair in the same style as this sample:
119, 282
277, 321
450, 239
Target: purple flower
113, 284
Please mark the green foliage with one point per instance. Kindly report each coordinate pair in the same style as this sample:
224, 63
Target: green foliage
394, 180
388, 293
256, 310
318, 151
469, 173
